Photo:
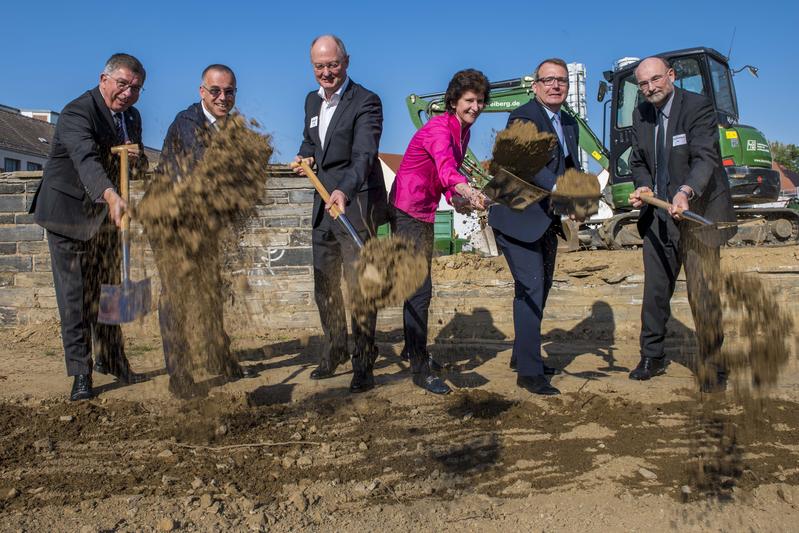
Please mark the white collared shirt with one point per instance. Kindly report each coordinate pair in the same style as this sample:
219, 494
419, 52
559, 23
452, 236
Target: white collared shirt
212, 119
328, 108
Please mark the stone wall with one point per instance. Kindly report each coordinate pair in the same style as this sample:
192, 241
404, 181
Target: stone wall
271, 270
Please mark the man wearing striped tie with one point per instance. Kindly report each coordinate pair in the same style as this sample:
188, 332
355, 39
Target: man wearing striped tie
77, 202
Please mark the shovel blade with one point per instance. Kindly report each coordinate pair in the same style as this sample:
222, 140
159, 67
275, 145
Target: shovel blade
120, 304
509, 190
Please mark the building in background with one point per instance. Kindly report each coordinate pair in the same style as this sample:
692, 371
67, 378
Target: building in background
576, 100
24, 140
25, 136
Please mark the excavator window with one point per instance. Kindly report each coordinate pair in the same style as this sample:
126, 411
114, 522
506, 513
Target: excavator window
722, 88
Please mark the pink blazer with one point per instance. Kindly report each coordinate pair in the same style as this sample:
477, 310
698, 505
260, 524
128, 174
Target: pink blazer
429, 167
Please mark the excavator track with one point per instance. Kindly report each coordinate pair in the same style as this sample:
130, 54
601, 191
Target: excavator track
757, 227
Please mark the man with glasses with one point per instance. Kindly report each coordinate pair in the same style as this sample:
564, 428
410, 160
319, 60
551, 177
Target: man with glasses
188, 327
529, 239
675, 155
78, 203
343, 124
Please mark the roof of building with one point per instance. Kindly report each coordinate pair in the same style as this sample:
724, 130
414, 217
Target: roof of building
24, 134
789, 180
391, 160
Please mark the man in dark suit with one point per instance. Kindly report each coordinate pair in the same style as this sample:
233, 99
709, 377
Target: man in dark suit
190, 308
529, 239
675, 151
343, 124
78, 204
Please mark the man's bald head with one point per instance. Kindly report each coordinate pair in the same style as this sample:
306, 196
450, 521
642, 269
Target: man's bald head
655, 78
330, 61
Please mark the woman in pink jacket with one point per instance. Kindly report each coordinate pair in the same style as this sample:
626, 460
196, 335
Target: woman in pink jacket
429, 169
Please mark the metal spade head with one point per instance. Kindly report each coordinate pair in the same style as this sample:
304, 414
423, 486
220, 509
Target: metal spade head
510, 190
124, 303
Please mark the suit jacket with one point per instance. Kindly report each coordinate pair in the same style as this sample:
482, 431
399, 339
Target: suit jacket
185, 143
694, 159
81, 167
529, 225
348, 159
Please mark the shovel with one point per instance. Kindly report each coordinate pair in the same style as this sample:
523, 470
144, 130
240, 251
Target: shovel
124, 303
334, 210
512, 191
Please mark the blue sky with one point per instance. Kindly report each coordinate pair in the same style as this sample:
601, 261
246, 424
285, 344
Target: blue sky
55, 50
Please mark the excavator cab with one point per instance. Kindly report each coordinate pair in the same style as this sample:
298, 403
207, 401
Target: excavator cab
745, 151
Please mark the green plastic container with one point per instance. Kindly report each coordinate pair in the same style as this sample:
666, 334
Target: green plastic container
444, 225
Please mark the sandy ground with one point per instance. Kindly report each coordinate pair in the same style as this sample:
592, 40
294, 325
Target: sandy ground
281, 452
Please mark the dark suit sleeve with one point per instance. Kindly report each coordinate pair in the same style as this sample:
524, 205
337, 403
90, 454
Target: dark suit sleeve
308, 147
76, 136
365, 143
545, 178
703, 138
642, 176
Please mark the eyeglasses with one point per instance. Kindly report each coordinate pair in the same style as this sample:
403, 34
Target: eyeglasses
333, 65
654, 80
124, 85
216, 91
549, 81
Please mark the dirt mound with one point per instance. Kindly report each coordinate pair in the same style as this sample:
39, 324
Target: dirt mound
522, 150
389, 271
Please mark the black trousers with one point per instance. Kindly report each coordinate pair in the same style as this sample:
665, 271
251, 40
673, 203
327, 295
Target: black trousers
334, 251
79, 268
667, 248
532, 265
416, 308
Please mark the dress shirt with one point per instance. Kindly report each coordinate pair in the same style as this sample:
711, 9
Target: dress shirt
328, 108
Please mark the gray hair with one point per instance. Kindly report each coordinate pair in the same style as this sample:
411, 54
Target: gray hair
341, 48
118, 61
218, 67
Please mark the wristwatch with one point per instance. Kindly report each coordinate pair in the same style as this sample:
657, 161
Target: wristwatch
687, 191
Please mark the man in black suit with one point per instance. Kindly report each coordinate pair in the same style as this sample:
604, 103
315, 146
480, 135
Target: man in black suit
191, 304
675, 151
529, 239
78, 204
343, 124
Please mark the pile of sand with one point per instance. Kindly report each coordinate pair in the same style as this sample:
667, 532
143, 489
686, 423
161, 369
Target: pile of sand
522, 150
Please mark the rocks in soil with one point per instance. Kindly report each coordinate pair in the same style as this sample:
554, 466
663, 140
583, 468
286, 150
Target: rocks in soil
647, 474
44, 445
166, 524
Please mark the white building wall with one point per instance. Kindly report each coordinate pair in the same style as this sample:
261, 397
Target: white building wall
578, 102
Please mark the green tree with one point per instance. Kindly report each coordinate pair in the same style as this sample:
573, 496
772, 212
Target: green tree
786, 154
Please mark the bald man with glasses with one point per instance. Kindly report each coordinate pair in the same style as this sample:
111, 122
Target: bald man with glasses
675, 156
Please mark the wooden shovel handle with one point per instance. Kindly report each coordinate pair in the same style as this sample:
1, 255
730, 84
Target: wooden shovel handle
651, 199
122, 151
334, 210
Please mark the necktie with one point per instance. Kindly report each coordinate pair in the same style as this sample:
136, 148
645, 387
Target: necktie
559, 132
120, 128
661, 165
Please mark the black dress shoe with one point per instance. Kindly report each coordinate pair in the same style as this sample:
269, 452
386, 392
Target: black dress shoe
81, 388
362, 381
649, 367
536, 385
431, 383
551, 371
234, 372
326, 369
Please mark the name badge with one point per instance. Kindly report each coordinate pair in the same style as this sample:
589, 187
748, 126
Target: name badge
315, 122
679, 140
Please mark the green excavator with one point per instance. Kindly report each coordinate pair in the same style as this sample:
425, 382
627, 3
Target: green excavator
744, 149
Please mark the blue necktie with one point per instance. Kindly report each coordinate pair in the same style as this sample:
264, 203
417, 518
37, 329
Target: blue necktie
118, 117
